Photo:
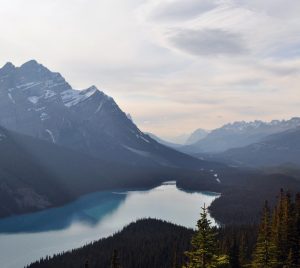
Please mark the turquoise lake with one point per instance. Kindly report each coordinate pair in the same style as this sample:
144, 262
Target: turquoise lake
26, 238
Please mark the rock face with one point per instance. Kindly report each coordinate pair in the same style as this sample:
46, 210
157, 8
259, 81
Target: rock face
40, 103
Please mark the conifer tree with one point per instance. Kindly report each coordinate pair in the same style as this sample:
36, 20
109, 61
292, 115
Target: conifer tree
115, 260
277, 231
243, 249
174, 264
296, 250
264, 250
203, 253
289, 231
234, 255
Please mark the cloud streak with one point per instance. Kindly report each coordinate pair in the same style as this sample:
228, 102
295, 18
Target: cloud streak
174, 65
179, 10
208, 42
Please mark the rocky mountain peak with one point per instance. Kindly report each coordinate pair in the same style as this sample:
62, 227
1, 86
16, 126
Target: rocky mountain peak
7, 68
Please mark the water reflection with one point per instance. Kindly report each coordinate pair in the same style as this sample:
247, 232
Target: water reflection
88, 210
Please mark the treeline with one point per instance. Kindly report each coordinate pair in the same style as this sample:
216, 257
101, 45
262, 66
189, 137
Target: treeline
147, 243
278, 242
150, 243
243, 193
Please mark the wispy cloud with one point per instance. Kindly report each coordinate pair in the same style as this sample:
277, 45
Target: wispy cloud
178, 10
208, 42
174, 65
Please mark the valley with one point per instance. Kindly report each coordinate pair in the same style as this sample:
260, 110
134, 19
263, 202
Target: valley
149, 134
65, 154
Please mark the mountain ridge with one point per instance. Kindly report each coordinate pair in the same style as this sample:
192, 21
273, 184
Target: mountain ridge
275, 150
40, 103
239, 134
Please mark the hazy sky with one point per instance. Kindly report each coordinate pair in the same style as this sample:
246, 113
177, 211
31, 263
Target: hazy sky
174, 65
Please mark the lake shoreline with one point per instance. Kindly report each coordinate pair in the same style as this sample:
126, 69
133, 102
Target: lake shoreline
93, 217
109, 189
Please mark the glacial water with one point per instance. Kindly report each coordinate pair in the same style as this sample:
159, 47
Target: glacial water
28, 237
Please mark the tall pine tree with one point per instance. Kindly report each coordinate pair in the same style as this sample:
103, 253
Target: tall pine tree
234, 255
264, 254
203, 253
296, 250
115, 260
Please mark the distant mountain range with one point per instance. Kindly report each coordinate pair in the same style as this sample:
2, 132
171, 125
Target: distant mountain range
194, 137
239, 134
164, 142
278, 149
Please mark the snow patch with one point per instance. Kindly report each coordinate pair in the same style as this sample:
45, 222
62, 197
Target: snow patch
44, 116
28, 85
72, 97
48, 94
11, 98
57, 84
99, 107
51, 135
38, 109
144, 139
33, 99
136, 151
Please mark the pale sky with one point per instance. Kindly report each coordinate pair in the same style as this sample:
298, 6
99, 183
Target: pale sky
174, 65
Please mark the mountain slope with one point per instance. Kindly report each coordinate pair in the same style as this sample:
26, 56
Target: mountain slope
40, 103
277, 149
239, 134
164, 142
196, 136
36, 174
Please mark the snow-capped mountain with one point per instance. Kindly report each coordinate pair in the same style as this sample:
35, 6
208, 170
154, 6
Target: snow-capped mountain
240, 134
277, 149
40, 103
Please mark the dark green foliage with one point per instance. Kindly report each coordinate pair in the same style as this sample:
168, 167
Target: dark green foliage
243, 193
278, 240
245, 238
264, 250
203, 252
147, 243
234, 255
115, 262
